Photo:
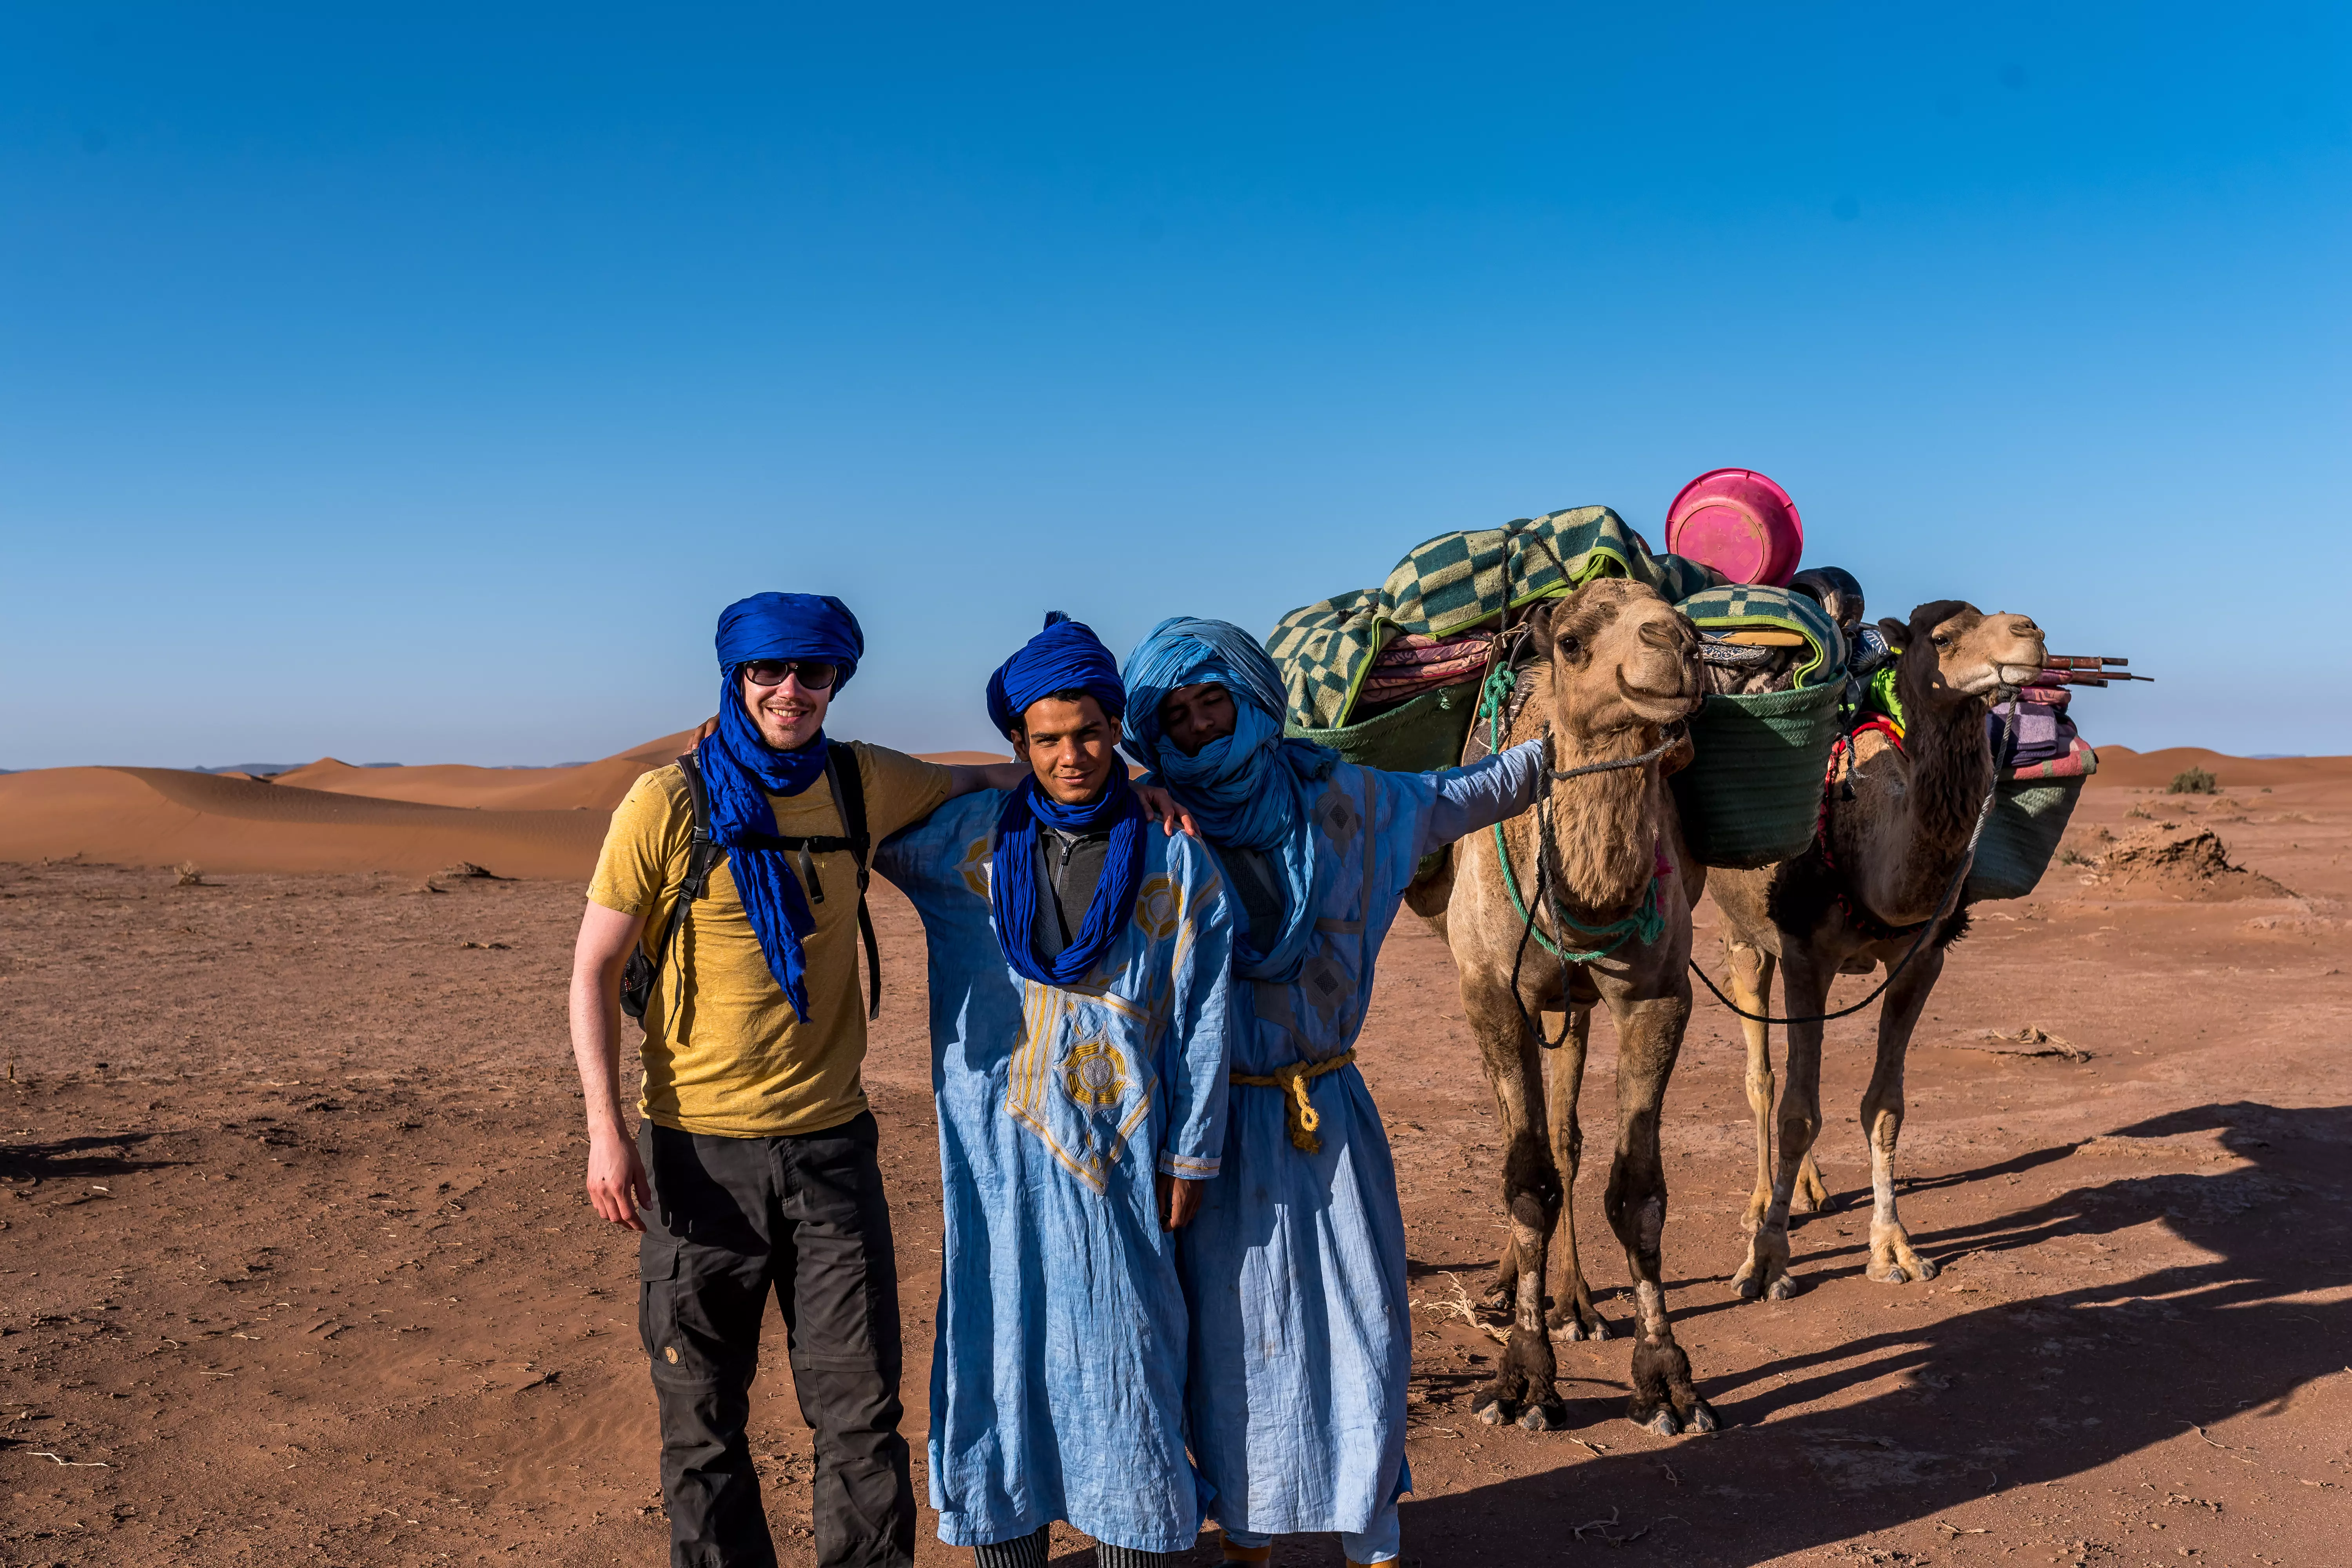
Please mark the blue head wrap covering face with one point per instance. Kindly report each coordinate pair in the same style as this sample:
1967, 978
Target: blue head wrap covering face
1065, 657
1251, 789
742, 769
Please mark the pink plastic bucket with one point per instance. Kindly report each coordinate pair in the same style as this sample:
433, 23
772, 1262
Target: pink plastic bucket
1740, 523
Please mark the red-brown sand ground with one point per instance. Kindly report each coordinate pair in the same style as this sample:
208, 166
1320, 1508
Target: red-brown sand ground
295, 1268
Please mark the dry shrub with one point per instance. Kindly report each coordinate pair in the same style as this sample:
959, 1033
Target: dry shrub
2193, 781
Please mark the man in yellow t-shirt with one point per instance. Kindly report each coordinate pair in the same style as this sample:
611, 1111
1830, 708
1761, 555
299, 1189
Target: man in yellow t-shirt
755, 1154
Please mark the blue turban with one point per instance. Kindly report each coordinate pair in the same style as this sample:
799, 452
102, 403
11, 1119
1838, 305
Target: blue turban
1065, 656
1252, 789
742, 770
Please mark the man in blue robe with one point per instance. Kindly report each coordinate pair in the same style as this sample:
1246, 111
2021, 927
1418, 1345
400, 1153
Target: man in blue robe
1080, 981
1294, 1272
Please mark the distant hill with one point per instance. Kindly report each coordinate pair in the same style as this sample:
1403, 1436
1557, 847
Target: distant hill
331, 815
2120, 765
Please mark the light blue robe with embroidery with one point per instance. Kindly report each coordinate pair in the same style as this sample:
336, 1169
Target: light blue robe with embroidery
1302, 1340
1057, 1375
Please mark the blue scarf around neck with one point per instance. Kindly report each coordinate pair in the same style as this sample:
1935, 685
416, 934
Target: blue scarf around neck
1013, 885
741, 770
1254, 789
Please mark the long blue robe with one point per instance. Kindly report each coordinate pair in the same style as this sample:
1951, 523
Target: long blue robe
1057, 1376
1302, 1337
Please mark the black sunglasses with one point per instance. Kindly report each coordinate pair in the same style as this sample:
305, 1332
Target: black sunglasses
816, 674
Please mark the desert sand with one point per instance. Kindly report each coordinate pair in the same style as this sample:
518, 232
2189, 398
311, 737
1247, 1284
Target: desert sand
295, 1267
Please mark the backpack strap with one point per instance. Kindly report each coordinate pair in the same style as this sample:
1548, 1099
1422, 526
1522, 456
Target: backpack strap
848, 783
702, 856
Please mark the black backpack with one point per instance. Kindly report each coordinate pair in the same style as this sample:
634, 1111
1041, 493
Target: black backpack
704, 853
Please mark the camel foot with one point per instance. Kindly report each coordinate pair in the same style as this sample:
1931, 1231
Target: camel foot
1493, 1412
1810, 1195
1542, 1417
1765, 1275
1659, 1420
1901, 1268
1665, 1400
1577, 1318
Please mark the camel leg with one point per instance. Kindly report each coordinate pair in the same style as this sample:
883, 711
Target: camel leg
1572, 1315
1649, 1035
1751, 987
1892, 1260
1531, 1197
1804, 982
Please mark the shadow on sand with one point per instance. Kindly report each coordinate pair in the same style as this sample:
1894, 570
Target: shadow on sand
2017, 1394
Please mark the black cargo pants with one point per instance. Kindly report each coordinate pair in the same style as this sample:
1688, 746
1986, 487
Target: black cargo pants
731, 1217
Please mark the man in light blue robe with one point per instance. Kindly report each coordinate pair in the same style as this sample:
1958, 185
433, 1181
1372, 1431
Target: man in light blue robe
1080, 983
1302, 1336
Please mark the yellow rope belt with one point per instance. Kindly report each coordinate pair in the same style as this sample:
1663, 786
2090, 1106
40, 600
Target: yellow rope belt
1299, 1114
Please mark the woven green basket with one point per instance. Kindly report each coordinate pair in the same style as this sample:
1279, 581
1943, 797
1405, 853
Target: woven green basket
1752, 794
2028, 817
1419, 737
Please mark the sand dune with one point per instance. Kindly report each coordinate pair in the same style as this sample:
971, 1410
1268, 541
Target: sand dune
160, 816
331, 816
2120, 765
597, 786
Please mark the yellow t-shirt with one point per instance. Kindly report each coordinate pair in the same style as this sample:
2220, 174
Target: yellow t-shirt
723, 1053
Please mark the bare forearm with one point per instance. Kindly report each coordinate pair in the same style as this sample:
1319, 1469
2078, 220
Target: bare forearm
596, 1047
965, 778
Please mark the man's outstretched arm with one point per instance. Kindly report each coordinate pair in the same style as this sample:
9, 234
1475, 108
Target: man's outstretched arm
616, 1177
963, 778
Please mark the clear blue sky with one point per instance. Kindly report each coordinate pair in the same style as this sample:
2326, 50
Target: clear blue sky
416, 381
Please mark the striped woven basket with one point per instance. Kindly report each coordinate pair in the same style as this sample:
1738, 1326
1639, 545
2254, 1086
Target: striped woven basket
1752, 794
1416, 737
2028, 817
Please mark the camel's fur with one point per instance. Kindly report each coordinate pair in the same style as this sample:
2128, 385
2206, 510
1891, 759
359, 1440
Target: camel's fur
1896, 844
1616, 665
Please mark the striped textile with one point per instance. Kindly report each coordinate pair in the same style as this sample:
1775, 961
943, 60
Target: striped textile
1445, 586
2080, 762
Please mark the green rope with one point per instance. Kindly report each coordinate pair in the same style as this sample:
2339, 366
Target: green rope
1644, 924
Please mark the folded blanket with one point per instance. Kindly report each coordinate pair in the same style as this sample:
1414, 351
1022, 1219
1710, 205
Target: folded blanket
2080, 762
1413, 649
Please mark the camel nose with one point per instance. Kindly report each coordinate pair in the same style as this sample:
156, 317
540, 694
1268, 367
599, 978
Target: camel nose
1663, 633
2023, 626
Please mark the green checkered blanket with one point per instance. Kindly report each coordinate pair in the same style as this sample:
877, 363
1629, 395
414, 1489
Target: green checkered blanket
1742, 606
1454, 581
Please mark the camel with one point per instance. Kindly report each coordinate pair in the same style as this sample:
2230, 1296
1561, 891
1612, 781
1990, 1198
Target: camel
1615, 667
1896, 825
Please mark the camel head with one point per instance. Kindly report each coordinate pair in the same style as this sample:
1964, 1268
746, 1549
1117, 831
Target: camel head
1955, 653
1622, 658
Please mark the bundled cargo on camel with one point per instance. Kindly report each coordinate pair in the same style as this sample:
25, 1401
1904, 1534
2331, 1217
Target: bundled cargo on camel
1422, 673
1423, 670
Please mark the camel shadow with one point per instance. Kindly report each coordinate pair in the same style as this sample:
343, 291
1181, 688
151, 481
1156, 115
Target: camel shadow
2021, 1393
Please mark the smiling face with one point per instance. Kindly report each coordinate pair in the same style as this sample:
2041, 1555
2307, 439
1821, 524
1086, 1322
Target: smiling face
1196, 716
1067, 742
788, 714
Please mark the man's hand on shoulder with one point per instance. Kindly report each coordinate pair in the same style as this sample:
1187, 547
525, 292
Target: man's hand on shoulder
1161, 808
